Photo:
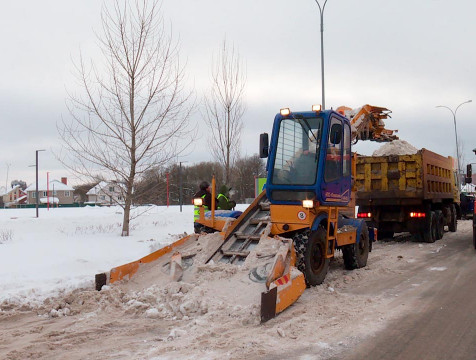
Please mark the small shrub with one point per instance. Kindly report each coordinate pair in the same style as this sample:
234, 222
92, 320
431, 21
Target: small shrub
6, 235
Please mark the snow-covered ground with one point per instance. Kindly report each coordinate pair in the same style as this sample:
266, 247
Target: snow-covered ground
50, 310
65, 247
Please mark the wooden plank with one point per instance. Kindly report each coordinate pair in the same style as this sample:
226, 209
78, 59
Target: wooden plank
244, 253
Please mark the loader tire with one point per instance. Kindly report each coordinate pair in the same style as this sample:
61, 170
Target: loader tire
440, 224
356, 255
429, 233
310, 255
453, 225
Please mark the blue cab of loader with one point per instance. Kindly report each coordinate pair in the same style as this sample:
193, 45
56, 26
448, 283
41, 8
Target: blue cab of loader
309, 188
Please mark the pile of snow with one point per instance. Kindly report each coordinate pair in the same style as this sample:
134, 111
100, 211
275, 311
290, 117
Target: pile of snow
64, 248
396, 147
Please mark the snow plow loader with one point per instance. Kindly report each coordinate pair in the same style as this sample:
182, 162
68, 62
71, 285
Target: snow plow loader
284, 240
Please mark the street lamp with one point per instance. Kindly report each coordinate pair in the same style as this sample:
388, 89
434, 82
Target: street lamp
37, 199
456, 133
180, 184
321, 11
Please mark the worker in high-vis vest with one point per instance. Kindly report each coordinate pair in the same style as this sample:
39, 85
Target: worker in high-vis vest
223, 199
206, 195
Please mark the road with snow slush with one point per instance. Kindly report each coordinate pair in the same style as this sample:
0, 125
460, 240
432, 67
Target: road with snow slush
442, 324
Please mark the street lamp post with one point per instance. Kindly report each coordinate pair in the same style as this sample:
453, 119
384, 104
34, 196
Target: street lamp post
37, 199
180, 184
456, 135
321, 12
48, 190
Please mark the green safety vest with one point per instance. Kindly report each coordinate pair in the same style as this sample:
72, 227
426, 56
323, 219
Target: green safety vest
196, 210
221, 195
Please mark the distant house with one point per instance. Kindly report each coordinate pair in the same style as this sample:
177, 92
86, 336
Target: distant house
13, 196
106, 193
59, 192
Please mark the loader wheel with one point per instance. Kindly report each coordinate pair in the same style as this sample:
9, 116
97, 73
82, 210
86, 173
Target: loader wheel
453, 225
429, 233
355, 255
310, 255
440, 224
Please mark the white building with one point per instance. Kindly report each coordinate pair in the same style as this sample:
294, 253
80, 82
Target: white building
106, 193
59, 192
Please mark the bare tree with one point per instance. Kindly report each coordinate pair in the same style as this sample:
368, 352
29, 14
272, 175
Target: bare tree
225, 108
133, 111
246, 170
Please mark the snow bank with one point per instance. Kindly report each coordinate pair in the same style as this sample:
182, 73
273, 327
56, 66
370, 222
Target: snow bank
64, 248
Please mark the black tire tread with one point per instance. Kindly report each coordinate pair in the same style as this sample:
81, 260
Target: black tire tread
453, 225
428, 234
440, 224
301, 242
351, 254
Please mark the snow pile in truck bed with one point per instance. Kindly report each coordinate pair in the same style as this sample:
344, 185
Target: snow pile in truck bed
396, 147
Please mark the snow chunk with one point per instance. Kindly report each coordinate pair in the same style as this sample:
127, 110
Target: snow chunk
442, 268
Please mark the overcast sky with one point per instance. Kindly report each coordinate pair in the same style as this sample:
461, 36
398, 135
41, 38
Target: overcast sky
406, 55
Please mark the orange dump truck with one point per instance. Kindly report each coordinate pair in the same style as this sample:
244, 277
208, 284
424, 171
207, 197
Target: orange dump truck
415, 193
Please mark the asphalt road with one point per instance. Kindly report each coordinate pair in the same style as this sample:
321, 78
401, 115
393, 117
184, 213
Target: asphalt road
442, 323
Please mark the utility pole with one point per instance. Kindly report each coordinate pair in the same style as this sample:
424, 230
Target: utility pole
6, 181
180, 186
37, 197
48, 190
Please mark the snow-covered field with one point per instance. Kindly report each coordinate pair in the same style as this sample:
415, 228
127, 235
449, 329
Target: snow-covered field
64, 248
50, 310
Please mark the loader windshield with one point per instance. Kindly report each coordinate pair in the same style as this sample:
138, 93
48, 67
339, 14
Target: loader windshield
297, 151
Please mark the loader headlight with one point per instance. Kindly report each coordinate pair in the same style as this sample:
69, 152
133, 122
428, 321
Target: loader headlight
198, 201
308, 204
285, 112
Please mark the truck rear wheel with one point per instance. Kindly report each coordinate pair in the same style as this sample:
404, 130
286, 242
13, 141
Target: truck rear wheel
453, 224
429, 233
440, 224
356, 255
474, 237
381, 235
311, 255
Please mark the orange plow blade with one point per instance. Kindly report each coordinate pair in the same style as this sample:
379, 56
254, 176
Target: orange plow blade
128, 270
285, 283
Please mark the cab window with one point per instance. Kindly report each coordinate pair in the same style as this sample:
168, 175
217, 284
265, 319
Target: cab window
333, 167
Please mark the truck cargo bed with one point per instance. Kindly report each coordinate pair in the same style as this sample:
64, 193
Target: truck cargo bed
404, 179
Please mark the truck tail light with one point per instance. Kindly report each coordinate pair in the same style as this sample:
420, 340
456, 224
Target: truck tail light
364, 215
417, 215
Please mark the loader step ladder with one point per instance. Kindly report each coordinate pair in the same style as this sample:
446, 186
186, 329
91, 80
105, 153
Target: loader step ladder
245, 235
332, 218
